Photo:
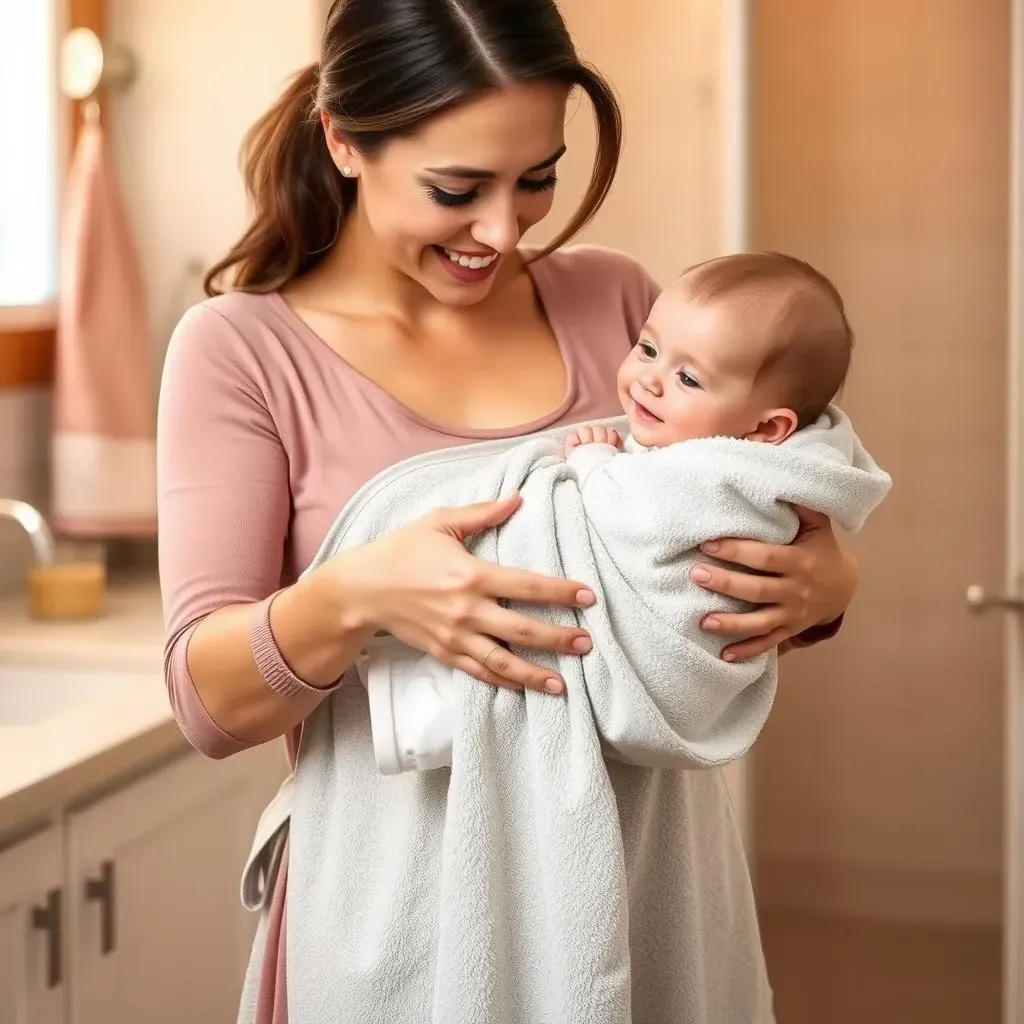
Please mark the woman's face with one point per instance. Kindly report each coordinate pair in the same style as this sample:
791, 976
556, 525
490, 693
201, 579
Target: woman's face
445, 205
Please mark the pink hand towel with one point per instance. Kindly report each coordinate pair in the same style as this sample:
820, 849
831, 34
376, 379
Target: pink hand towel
103, 454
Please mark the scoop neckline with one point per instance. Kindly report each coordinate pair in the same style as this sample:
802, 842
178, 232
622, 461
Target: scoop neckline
559, 326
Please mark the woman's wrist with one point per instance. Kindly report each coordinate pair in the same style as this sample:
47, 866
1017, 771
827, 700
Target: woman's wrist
342, 595
830, 625
274, 667
323, 628
815, 634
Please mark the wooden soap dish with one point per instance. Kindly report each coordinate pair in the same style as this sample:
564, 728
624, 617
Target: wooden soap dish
66, 590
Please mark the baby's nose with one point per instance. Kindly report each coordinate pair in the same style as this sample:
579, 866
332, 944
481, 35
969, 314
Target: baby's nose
652, 382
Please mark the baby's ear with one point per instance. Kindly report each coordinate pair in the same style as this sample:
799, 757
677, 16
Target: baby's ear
775, 426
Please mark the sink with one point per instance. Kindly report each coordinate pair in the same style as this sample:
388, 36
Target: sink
30, 694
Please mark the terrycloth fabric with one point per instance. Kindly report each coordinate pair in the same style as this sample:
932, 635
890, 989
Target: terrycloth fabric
537, 881
104, 449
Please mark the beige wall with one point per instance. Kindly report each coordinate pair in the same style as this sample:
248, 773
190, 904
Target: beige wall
881, 154
207, 70
665, 60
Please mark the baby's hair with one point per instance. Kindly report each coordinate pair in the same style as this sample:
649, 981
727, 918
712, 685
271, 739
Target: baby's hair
811, 343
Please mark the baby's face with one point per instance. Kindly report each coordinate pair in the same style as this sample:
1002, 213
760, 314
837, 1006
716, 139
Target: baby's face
693, 373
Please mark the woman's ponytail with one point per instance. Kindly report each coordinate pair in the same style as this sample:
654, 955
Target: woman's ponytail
297, 195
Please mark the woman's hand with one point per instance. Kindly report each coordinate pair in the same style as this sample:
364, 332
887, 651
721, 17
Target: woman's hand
422, 586
812, 582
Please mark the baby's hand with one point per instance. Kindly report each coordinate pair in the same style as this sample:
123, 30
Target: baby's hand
593, 435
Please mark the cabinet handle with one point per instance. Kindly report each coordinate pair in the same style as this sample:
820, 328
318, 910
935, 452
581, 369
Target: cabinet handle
48, 919
101, 890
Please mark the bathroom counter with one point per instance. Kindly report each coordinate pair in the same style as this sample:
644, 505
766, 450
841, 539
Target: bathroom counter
67, 756
107, 816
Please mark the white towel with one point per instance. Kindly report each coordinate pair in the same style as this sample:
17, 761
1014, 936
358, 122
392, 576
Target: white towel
540, 882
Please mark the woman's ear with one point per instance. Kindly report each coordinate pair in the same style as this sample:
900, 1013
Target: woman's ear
345, 158
775, 427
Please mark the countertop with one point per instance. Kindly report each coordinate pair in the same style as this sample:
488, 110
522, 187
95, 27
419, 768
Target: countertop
62, 760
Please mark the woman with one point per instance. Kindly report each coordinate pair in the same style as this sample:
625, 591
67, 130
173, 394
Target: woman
381, 308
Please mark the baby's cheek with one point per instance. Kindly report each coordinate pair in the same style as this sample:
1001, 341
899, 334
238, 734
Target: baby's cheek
627, 370
692, 417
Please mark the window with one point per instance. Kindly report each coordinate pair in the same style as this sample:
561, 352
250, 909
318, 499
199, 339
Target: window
28, 153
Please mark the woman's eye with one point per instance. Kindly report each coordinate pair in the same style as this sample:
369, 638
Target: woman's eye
647, 350
539, 185
686, 380
449, 200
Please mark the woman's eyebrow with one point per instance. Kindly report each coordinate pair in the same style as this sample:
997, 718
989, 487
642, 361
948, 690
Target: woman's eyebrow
479, 173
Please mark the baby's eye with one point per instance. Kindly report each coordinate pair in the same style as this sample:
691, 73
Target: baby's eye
687, 381
647, 350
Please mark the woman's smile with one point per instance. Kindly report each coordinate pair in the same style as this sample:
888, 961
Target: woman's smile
469, 268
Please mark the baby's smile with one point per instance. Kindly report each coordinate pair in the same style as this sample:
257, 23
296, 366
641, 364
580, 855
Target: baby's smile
642, 412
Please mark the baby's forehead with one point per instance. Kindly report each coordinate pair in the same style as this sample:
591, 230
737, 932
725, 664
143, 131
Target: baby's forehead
735, 325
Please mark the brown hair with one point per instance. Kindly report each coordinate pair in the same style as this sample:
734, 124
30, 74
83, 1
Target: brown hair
811, 342
385, 67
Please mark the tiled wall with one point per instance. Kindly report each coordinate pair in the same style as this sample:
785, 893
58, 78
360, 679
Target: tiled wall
24, 444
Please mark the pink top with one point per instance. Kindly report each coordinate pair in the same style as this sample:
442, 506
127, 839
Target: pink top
265, 433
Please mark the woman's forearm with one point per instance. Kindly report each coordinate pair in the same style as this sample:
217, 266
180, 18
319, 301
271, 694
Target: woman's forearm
317, 641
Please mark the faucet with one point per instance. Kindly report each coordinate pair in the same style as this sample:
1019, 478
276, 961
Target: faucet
33, 523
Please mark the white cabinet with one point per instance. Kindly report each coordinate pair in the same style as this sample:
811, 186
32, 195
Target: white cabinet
141, 889
32, 962
157, 932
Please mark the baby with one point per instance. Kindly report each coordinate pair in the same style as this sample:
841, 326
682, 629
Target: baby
752, 346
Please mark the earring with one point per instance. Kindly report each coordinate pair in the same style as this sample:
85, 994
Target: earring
347, 171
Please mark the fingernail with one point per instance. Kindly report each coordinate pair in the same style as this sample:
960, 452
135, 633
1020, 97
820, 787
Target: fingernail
711, 623
710, 548
585, 598
582, 644
553, 685
728, 656
701, 574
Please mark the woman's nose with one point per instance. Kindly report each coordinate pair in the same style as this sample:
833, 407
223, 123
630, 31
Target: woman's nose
498, 228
